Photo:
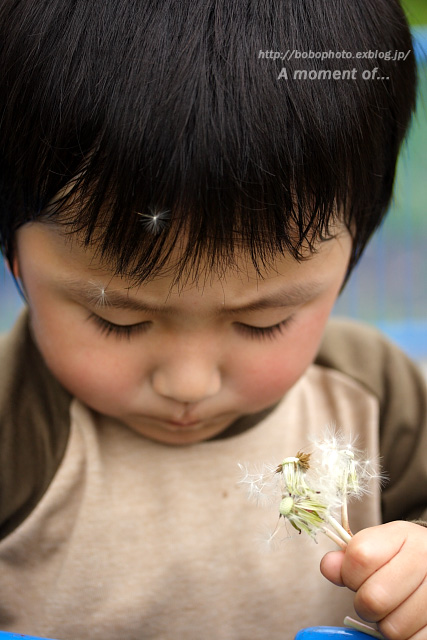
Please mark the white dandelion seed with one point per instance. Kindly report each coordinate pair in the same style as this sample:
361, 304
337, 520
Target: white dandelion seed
268, 539
262, 482
98, 294
156, 220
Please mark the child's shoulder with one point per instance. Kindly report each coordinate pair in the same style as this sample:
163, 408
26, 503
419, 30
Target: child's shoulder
23, 372
370, 358
34, 425
399, 388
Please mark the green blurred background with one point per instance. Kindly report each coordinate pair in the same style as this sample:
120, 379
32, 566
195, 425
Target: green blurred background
389, 287
416, 10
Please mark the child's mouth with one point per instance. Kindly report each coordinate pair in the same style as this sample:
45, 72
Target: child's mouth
184, 424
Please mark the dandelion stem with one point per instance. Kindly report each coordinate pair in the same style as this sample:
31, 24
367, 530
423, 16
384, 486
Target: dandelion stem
333, 536
344, 510
365, 628
344, 516
343, 534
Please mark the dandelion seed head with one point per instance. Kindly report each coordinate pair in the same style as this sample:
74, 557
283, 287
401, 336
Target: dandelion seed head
293, 471
345, 468
304, 460
309, 489
305, 513
286, 505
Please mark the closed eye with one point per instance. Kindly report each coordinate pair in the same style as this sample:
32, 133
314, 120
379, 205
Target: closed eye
261, 333
129, 330
119, 330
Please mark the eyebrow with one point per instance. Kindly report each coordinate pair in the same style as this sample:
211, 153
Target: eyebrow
287, 297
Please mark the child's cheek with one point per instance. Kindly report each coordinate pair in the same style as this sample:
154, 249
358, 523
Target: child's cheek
268, 381
99, 376
264, 380
95, 372
102, 388
262, 392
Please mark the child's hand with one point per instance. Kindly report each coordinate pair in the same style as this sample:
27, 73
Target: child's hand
387, 568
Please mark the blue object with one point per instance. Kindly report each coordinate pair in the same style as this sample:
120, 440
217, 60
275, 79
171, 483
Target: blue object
311, 633
331, 633
420, 43
4, 635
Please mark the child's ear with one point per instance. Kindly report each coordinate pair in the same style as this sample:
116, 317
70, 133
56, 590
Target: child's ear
14, 267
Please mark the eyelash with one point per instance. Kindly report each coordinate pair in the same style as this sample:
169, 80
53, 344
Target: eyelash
262, 333
118, 330
127, 331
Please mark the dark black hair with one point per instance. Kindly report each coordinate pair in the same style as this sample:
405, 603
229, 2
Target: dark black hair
146, 106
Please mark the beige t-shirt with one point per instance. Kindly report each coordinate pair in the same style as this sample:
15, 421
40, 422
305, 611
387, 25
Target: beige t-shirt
106, 534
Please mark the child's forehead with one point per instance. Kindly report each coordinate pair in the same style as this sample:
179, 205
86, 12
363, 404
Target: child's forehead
82, 271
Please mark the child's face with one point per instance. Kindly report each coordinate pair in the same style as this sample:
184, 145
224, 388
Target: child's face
176, 366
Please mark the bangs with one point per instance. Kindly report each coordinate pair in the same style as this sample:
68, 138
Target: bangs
134, 225
162, 119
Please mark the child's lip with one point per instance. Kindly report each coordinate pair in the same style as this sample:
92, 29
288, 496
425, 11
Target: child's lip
186, 424
173, 422
176, 423
179, 423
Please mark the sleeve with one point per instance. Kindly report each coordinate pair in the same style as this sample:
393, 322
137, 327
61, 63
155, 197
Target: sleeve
34, 426
367, 356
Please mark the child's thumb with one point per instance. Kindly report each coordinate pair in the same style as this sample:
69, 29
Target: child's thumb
330, 567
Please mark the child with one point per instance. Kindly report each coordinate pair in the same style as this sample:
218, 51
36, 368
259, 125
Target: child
181, 213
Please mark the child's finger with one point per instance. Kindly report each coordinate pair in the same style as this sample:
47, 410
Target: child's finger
409, 620
330, 567
371, 549
393, 584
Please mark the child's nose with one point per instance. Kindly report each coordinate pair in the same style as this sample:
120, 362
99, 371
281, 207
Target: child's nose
188, 381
